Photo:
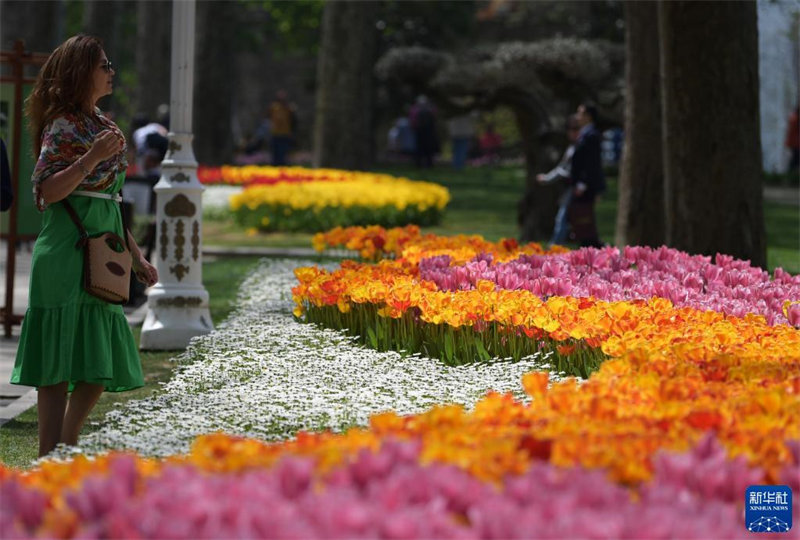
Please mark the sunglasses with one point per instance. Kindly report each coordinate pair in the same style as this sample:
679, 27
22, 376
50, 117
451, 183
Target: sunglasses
107, 67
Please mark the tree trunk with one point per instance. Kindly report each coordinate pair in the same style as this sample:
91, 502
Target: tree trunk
640, 213
153, 55
105, 20
214, 80
712, 148
343, 123
536, 210
34, 22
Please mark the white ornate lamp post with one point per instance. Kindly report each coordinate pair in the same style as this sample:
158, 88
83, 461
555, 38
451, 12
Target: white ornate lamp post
178, 303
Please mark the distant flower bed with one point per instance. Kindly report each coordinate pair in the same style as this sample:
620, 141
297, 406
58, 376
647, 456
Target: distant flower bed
260, 174
296, 199
378, 242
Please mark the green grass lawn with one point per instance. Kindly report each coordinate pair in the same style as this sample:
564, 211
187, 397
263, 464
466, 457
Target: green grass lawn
19, 437
783, 236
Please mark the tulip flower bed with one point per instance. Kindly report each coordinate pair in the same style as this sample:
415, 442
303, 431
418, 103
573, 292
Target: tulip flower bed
695, 395
431, 301
388, 493
661, 355
296, 199
729, 286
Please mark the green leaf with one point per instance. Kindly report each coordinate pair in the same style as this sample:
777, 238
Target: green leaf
449, 346
483, 354
372, 338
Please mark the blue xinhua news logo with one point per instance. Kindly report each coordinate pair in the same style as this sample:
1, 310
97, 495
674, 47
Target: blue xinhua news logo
768, 509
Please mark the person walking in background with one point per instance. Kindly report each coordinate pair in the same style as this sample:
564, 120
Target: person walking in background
563, 173
423, 122
490, 144
588, 181
151, 136
400, 141
282, 119
260, 138
793, 140
462, 131
71, 341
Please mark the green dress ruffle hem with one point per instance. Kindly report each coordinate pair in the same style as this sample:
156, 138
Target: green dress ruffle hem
67, 334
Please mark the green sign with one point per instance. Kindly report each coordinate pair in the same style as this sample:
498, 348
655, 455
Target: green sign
29, 219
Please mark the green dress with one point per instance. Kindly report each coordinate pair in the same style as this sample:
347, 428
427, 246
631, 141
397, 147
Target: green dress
67, 334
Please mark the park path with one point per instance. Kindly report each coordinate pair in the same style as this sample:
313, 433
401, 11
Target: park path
783, 195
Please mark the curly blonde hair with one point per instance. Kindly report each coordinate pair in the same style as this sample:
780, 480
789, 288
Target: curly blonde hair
64, 83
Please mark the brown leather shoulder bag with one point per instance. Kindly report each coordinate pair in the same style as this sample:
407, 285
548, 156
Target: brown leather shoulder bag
106, 262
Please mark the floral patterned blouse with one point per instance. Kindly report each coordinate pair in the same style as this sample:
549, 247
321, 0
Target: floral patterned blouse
65, 139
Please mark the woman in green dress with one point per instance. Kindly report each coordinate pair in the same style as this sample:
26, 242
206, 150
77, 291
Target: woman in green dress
71, 341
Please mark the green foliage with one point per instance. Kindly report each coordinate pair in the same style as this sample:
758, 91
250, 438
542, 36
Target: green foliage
456, 345
595, 19
74, 11
441, 24
504, 123
284, 27
268, 218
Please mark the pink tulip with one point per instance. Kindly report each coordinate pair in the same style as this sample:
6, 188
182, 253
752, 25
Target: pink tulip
731, 286
793, 315
388, 493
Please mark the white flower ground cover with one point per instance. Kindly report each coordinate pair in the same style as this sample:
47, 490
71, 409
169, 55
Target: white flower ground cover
264, 375
219, 196
216, 201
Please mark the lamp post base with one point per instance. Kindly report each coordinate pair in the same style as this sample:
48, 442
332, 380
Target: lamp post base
174, 318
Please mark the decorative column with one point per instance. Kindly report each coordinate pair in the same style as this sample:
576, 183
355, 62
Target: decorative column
177, 306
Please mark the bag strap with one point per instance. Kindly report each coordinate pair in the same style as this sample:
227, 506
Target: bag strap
125, 230
84, 235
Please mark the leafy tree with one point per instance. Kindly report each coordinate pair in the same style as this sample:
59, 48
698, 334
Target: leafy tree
286, 27
537, 80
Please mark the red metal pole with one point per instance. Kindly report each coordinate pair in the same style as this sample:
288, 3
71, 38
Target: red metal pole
8, 320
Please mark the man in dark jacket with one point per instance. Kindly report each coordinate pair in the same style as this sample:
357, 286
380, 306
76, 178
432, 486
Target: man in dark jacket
587, 177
